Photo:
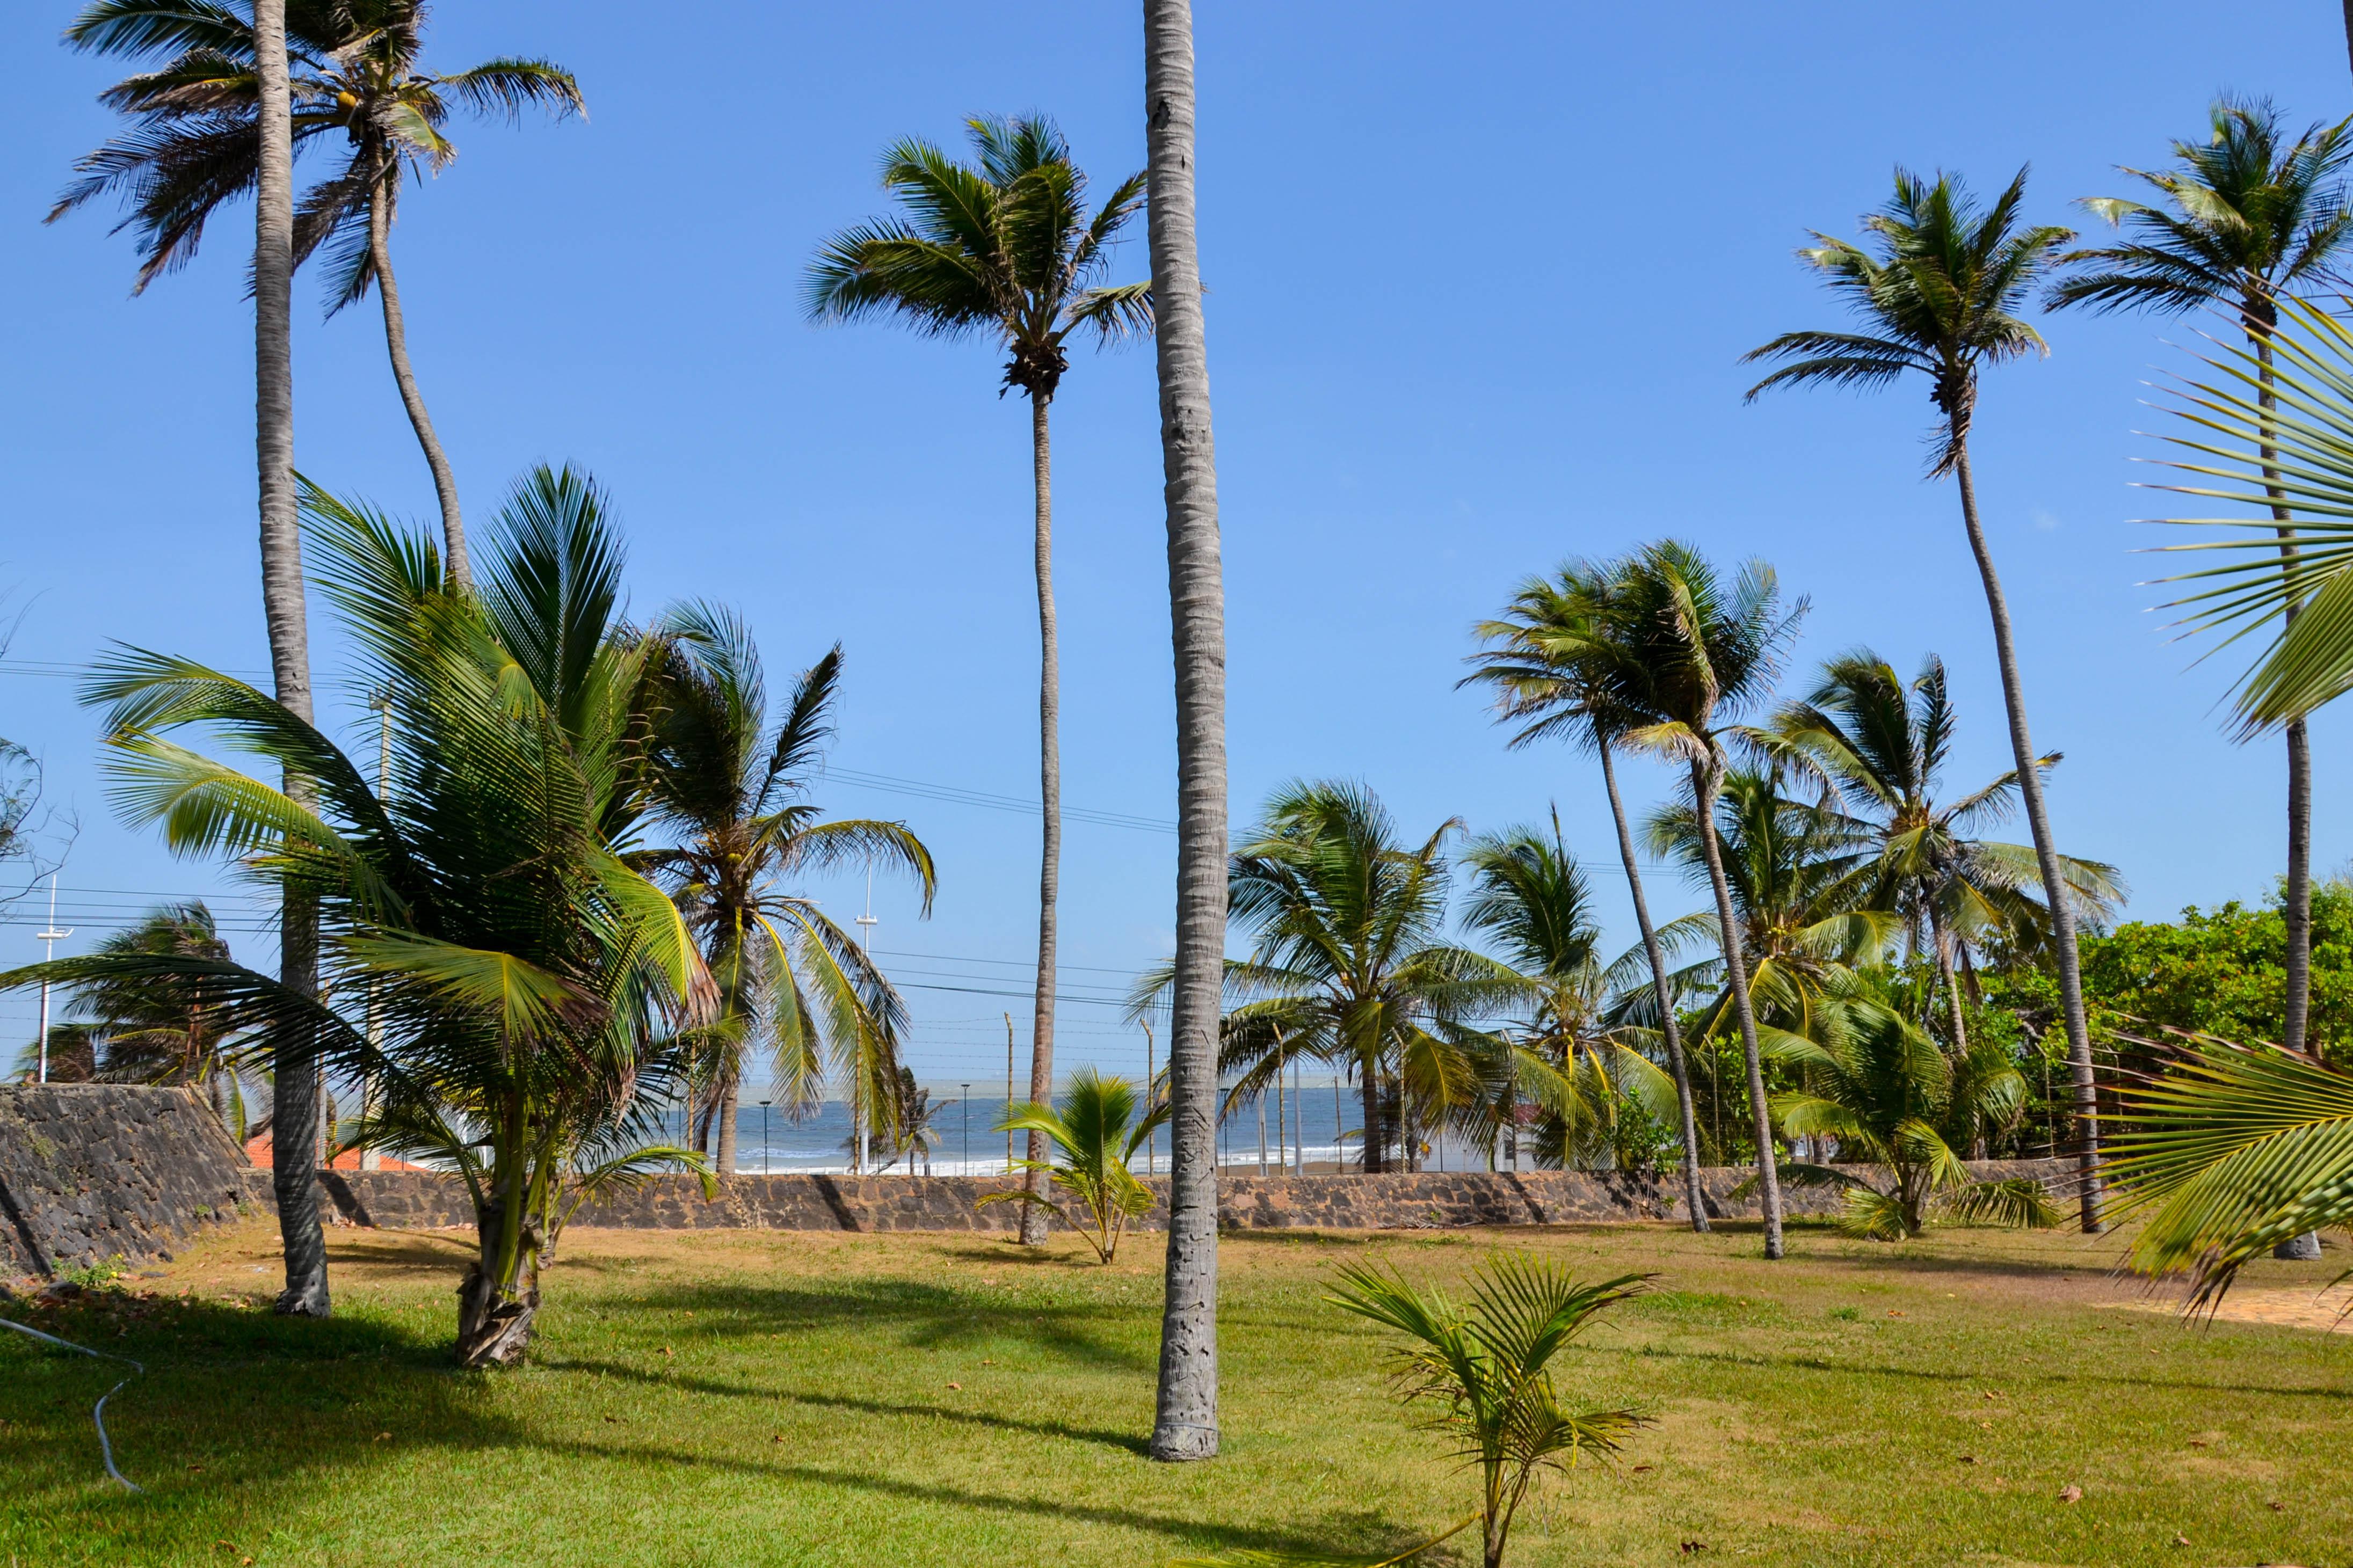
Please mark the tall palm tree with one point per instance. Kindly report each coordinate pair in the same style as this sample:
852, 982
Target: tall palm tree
2247, 216
1185, 1410
532, 991
1697, 650
1003, 247
1941, 298
793, 985
169, 1029
296, 1104
1345, 962
352, 68
1553, 667
1881, 742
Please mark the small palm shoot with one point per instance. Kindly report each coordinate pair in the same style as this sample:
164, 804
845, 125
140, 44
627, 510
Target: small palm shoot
1892, 1097
1094, 1133
1484, 1367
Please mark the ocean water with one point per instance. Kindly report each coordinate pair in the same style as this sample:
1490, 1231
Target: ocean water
768, 1142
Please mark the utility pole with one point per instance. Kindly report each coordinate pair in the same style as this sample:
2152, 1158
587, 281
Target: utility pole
1152, 1144
858, 1089
1008, 1092
51, 937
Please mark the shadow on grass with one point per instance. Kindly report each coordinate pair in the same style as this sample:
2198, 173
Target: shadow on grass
717, 1389
237, 1406
932, 1317
2014, 1375
1009, 1253
1354, 1532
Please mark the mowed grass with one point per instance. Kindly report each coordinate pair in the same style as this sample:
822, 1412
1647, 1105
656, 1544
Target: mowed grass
737, 1398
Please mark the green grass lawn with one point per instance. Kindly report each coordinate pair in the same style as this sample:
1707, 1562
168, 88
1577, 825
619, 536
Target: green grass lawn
743, 1397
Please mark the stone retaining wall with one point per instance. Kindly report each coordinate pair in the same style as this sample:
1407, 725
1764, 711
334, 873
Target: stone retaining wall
1429, 1200
92, 1172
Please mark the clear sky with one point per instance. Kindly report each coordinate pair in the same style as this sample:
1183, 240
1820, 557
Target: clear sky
1480, 275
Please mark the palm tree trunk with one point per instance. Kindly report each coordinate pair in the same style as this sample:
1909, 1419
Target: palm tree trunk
395, 340
294, 1118
1185, 1420
1952, 982
2046, 855
1953, 1005
2348, 29
728, 1093
1706, 778
1049, 793
1669, 1029
1372, 1156
2295, 901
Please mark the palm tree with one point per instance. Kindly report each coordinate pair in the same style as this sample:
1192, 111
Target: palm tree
169, 1029
535, 992
1697, 650
1185, 1417
1553, 667
793, 985
1485, 1366
1889, 1095
354, 69
2248, 216
1942, 299
1003, 248
1881, 745
295, 1104
1345, 965
1096, 1132
1530, 898
912, 1133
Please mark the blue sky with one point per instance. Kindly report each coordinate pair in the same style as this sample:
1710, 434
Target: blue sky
1479, 276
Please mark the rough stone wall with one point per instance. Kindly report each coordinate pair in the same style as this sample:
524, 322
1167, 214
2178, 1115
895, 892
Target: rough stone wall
92, 1172
1431, 1200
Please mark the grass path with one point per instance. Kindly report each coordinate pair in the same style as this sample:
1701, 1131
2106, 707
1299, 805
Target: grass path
751, 1398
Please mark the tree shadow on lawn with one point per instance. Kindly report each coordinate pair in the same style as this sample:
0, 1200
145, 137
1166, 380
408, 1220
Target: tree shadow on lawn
2011, 1374
1349, 1532
236, 1405
717, 1389
932, 1317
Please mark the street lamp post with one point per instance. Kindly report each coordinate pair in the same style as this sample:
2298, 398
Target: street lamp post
866, 923
763, 1137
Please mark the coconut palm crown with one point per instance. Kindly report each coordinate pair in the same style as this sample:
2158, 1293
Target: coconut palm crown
354, 69
1941, 298
732, 782
534, 993
1881, 744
